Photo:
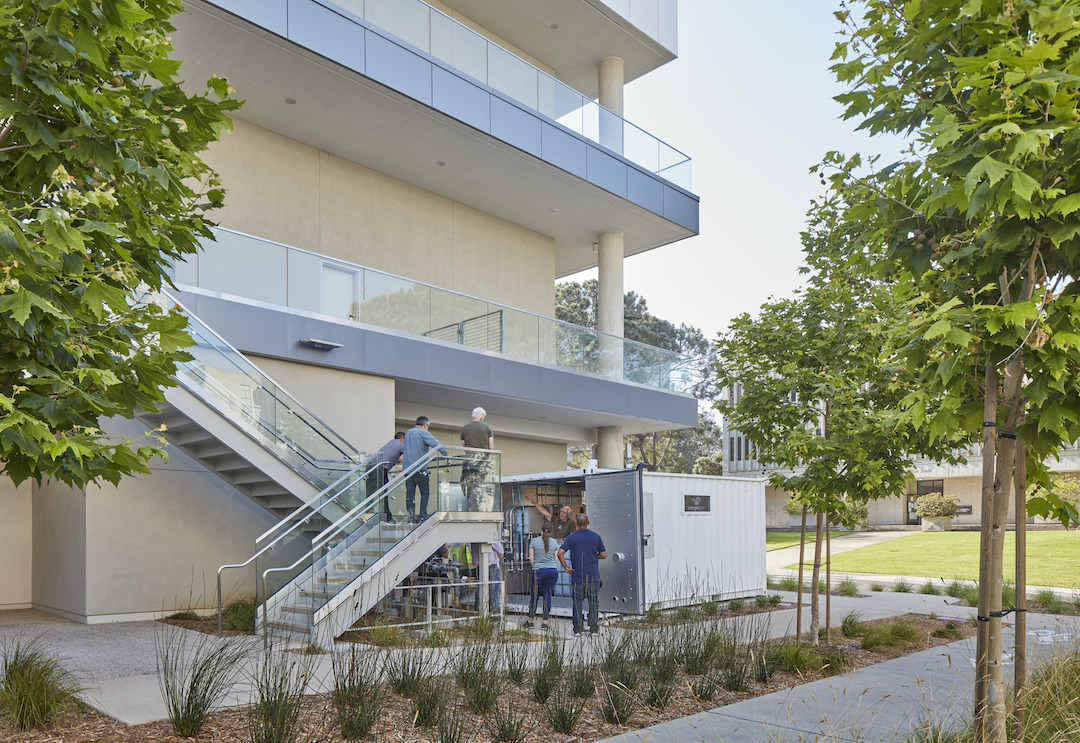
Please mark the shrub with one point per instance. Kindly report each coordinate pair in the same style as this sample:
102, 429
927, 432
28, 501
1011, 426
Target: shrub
929, 589
877, 587
404, 670
832, 661
789, 584
183, 616
774, 600
948, 631
796, 658
735, 605
195, 672
710, 608
507, 724
564, 711
482, 694
955, 589
280, 682
936, 505
357, 696
35, 687
902, 586
436, 638
847, 587
239, 616
618, 703
453, 726
1050, 601
851, 625
430, 699
652, 616
516, 661
581, 680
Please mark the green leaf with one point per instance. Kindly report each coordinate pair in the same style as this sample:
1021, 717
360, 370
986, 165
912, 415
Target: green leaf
1066, 205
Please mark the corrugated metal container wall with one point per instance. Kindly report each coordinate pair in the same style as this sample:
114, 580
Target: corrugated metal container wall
695, 556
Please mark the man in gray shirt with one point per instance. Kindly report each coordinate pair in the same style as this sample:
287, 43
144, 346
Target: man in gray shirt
417, 444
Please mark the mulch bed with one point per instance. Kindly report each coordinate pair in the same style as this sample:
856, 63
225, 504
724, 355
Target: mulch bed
230, 725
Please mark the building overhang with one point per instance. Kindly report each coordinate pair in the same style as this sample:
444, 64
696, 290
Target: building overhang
573, 36
425, 124
546, 402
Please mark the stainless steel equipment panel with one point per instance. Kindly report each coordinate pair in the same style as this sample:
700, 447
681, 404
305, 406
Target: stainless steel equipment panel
613, 503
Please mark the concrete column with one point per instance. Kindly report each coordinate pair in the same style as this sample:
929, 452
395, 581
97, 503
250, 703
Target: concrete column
609, 316
611, 79
610, 451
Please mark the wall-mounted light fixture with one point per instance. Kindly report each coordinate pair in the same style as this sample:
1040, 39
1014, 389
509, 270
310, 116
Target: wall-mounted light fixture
319, 344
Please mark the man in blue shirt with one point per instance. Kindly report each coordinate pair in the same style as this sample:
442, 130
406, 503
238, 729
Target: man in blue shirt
586, 549
417, 443
391, 455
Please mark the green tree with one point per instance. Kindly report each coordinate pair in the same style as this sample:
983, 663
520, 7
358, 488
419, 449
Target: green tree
980, 226
809, 388
671, 451
102, 187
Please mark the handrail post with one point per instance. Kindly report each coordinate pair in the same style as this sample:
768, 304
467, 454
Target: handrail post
219, 631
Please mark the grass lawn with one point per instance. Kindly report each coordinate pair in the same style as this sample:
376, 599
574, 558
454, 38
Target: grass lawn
1052, 560
775, 540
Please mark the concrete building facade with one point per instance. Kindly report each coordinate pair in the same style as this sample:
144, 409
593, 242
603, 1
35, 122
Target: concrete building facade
406, 182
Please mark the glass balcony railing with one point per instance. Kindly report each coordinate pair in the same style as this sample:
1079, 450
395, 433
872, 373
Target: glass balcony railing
254, 268
422, 26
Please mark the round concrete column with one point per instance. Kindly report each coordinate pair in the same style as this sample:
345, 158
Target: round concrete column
609, 311
610, 452
611, 81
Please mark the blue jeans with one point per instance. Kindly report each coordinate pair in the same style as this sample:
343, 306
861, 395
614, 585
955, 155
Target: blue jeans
590, 589
420, 479
493, 587
543, 585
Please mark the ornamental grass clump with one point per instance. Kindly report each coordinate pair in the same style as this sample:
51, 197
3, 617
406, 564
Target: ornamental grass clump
404, 670
358, 694
564, 710
195, 672
618, 703
280, 682
35, 687
515, 657
847, 587
508, 723
430, 698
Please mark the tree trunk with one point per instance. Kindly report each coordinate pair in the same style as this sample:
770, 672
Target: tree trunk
1020, 649
990, 385
802, 558
828, 584
815, 603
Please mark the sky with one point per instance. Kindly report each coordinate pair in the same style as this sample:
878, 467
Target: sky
750, 101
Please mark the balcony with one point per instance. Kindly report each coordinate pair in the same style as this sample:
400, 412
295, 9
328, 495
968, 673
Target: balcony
321, 76
446, 40
280, 275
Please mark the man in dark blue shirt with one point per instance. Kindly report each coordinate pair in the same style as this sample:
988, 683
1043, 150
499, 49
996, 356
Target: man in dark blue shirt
417, 443
586, 549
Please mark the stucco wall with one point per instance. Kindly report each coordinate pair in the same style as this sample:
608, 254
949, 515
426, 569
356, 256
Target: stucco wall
519, 456
289, 192
59, 549
154, 543
360, 407
16, 544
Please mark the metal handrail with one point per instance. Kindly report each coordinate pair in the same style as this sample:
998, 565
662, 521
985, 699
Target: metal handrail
295, 403
337, 526
288, 531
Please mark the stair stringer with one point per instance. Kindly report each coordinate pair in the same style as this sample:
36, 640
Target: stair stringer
232, 433
367, 589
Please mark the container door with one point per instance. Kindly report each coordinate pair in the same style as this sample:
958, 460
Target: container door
613, 502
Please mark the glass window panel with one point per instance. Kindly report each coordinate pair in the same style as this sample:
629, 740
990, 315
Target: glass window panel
356, 7
459, 46
305, 271
406, 19
590, 120
611, 130
521, 335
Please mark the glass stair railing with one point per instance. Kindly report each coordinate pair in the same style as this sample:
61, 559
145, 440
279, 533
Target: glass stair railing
242, 393
357, 545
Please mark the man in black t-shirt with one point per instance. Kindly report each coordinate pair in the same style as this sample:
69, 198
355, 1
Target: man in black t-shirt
476, 435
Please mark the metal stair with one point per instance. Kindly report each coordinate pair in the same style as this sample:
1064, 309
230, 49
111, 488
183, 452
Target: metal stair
362, 557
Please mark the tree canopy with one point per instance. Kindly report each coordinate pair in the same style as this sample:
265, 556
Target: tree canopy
102, 186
